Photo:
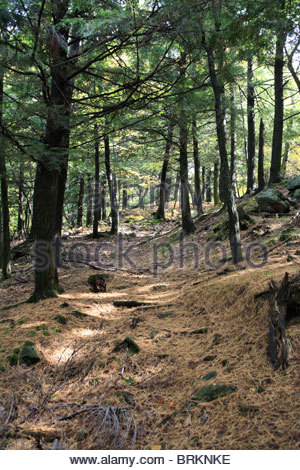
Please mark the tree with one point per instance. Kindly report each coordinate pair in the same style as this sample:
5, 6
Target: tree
275, 175
5, 245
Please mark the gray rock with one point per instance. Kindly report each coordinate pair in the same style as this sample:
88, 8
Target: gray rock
293, 183
272, 201
29, 355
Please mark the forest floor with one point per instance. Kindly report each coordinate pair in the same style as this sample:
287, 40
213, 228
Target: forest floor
199, 326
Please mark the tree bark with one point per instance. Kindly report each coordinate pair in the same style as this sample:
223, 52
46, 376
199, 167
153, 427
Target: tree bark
203, 183
216, 184
197, 194
89, 207
103, 199
112, 189
251, 125
97, 198
20, 227
208, 186
261, 156
275, 175
160, 213
51, 169
80, 202
187, 222
124, 198
232, 139
285, 158
5, 245
229, 199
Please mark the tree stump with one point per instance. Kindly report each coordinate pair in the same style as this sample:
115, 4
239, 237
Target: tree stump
97, 283
284, 304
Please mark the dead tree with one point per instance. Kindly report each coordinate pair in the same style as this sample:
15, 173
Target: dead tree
284, 304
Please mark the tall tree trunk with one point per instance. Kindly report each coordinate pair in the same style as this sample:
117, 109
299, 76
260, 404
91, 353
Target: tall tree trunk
203, 183
187, 222
103, 199
251, 125
216, 184
198, 195
229, 199
112, 189
261, 156
285, 158
21, 227
97, 197
232, 139
124, 197
80, 202
160, 213
5, 245
275, 175
52, 168
89, 206
208, 186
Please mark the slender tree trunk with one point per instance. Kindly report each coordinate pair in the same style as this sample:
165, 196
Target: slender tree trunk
21, 227
89, 207
152, 194
187, 222
5, 245
198, 195
103, 199
275, 175
203, 183
97, 198
112, 189
80, 202
216, 184
233, 218
285, 158
208, 186
261, 156
251, 125
124, 198
160, 213
232, 139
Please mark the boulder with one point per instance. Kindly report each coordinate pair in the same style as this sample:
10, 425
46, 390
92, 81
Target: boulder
29, 355
272, 201
296, 194
293, 183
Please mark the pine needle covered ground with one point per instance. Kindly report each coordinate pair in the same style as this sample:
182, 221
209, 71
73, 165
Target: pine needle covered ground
199, 327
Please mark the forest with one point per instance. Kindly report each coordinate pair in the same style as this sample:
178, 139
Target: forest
149, 224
